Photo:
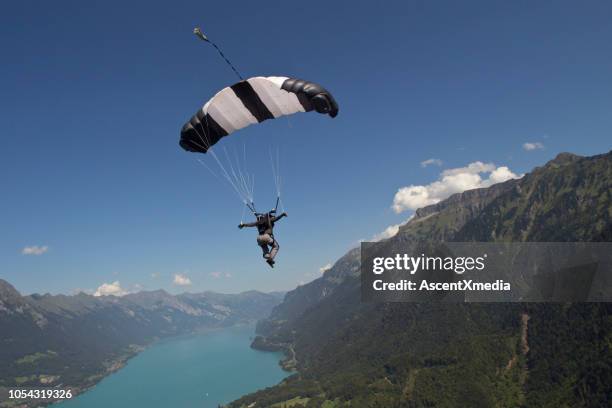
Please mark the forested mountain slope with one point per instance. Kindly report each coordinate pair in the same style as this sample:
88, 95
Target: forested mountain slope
350, 353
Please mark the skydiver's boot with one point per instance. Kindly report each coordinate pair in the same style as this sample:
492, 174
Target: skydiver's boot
270, 262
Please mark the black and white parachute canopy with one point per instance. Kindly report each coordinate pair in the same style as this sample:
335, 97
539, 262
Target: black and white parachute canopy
249, 102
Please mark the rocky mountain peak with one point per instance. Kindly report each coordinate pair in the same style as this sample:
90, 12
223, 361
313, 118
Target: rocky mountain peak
7, 291
564, 158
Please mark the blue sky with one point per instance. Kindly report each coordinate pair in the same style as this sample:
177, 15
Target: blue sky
93, 97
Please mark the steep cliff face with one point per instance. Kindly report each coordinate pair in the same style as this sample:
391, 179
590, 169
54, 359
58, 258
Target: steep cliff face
566, 200
305, 296
389, 355
9, 297
470, 201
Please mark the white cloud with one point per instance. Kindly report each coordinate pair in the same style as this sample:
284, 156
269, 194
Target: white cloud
499, 175
431, 162
529, 146
474, 175
107, 289
155, 275
34, 250
325, 268
181, 280
390, 231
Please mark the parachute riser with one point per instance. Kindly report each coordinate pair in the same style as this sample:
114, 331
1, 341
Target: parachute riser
251, 207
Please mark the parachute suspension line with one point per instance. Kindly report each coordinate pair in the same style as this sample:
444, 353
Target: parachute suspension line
278, 174
242, 188
224, 171
207, 145
238, 177
252, 207
242, 216
250, 180
203, 37
275, 164
244, 175
240, 193
282, 206
253, 188
243, 199
209, 169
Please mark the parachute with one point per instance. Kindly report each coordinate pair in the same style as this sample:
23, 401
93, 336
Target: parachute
253, 101
246, 103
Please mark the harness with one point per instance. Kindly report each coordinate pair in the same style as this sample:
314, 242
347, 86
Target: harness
268, 224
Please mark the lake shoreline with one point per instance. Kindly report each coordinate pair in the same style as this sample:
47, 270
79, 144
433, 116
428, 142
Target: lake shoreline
118, 366
115, 365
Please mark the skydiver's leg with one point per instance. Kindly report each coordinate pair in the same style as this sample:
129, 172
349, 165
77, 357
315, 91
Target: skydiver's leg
263, 241
275, 248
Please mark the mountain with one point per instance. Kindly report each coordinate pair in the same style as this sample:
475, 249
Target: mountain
349, 353
73, 341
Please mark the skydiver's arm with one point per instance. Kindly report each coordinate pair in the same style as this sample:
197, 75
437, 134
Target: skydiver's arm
279, 217
248, 224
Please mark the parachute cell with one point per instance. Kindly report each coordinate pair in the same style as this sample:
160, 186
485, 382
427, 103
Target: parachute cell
249, 102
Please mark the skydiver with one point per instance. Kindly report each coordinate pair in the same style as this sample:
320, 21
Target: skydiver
265, 239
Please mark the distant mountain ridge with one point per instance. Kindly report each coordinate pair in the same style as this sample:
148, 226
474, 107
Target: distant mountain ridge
74, 341
357, 354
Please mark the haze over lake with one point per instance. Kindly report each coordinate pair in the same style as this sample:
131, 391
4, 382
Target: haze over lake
200, 370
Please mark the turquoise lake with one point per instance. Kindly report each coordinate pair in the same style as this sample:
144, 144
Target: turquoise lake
200, 370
